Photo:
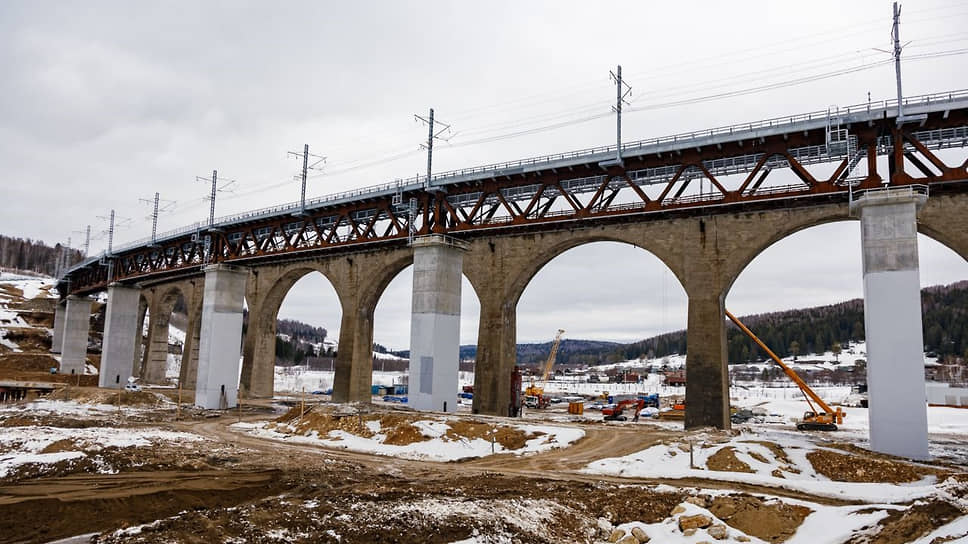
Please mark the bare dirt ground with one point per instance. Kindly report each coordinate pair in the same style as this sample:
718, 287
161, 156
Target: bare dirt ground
234, 487
101, 481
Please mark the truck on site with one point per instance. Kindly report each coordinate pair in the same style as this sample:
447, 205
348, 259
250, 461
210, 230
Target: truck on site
820, 417
534, 396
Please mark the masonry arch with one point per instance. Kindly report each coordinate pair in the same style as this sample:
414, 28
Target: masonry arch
266, 293
818, 263
500, 269
548, 248
603, 289
162, 357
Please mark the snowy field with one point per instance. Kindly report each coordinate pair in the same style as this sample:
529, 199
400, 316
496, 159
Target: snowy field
22, 445
434, 446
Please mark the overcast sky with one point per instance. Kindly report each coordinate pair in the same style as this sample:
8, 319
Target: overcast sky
105, 103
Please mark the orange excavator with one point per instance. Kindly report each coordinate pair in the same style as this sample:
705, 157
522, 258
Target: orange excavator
617, 413
822, 419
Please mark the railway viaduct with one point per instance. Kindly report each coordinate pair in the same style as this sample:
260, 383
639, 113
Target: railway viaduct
704, 203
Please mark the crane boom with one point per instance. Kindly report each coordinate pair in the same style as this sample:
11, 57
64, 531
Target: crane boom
551, 356
809, 393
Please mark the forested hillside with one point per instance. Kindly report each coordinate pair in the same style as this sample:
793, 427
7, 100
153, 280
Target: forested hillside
34, 255
295, 341
825, 328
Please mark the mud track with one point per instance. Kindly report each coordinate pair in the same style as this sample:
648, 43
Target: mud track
559, 464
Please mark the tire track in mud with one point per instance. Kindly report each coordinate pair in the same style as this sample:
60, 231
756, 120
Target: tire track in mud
560, 464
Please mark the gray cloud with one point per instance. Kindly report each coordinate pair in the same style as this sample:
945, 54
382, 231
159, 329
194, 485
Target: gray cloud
106, 102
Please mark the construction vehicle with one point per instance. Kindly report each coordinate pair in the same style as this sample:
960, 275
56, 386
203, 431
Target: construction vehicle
534, 396
617, 412
824, 419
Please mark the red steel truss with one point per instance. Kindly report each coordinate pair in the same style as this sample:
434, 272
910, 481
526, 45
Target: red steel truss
779, 165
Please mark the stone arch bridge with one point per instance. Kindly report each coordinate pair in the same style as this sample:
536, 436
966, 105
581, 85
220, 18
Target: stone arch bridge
705, 203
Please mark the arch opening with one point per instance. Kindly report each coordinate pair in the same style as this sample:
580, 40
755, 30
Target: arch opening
819, 269
391, 330
296, 333
622, 308
166, 325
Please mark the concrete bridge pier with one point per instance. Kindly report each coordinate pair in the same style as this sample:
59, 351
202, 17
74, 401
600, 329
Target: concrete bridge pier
120, 333
892, 320
435, 323
77, 323
57, 338
221, 337
354, 360
707, 383
156, 352
189, 362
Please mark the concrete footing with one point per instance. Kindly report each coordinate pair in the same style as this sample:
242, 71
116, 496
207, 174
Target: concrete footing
435, 324
892, 321
221, 337
77, 322
120, 334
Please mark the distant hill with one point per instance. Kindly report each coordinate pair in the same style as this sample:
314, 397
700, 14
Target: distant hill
808, 330
819, 329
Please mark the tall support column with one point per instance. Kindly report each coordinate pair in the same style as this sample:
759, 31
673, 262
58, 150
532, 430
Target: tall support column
77, 322
435, 324
221, 337
259, 352
189, 365
892, 320
496, 355
156, 356
354, 360
57, 335
707, 385
120, 333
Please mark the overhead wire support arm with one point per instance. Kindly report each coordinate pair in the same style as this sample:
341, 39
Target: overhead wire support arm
160, 206
226, 184
305, 170
429, 146
622, 92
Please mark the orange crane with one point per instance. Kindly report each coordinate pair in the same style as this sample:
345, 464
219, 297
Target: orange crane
825, 419
534, 395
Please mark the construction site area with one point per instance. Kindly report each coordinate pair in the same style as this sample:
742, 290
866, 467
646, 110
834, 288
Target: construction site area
80, 463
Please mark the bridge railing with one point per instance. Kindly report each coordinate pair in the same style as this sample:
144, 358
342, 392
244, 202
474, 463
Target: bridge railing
410, 183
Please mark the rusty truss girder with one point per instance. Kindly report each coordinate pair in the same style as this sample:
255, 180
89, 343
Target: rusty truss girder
722, 169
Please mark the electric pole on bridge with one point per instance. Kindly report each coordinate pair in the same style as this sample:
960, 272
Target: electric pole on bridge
622, 90
305, 169
896, 33
87, 238
429, 146
109, 231
896, 53
215, 189
168, 206
108, 258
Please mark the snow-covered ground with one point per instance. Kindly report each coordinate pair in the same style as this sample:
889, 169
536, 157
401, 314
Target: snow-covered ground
20, 445
23, 445
436, 447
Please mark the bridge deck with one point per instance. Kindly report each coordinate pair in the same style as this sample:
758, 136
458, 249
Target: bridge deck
528, 190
